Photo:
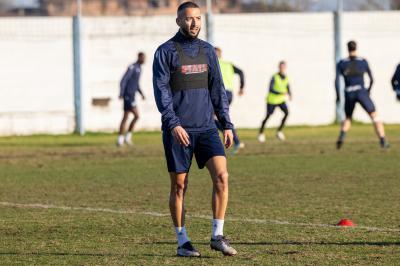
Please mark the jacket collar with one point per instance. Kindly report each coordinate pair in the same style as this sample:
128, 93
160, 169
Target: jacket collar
181, 38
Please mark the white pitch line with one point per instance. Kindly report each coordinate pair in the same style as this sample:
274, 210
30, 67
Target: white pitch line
157, 214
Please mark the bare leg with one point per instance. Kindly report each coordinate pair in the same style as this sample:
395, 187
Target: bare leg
179, 183
123, 122
379, 129
135, 119
219, 175
346, 124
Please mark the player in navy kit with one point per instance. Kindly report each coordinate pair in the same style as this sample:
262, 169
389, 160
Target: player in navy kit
353, 69
188, 90
128, 87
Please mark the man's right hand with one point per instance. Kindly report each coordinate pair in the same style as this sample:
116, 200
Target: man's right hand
180, 136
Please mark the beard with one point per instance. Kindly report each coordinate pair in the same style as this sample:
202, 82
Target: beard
188, 34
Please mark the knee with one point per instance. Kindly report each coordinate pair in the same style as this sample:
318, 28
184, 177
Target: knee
221, 182
136, 117
347, 121
374, 117
179, 188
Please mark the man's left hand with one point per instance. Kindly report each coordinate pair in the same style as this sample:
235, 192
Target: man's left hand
241, 92
228, 138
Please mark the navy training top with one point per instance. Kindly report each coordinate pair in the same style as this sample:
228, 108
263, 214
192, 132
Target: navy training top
193, 109
129, 84
353, 69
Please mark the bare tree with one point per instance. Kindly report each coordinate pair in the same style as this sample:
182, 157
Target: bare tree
268, 6
395, 4
373, 5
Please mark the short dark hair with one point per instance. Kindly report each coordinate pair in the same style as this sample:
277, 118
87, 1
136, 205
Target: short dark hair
351, 46
185, 5
282, 63
140, 54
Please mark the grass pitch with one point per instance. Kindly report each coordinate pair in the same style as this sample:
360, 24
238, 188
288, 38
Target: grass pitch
106, 205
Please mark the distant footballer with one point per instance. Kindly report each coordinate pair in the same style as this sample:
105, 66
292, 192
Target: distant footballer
353, 69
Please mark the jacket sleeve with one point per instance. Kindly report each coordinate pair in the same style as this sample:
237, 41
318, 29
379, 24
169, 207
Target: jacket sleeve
371, 78
217, 91
124, 81
271, 86
162, 89
337, 81
140, 91
238, 71
396, 78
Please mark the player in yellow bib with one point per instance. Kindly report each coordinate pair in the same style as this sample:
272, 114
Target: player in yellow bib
228, 71
279, 91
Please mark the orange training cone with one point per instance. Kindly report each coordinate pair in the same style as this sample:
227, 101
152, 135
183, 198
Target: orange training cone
345, 222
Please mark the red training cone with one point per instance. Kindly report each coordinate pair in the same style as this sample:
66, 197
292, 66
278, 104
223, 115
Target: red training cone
345, 222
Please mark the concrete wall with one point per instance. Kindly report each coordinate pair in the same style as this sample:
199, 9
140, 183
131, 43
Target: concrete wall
36, 93
36, 76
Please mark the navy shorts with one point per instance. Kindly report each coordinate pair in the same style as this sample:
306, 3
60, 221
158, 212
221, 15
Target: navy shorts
204, 145
129, 104
271, 108
360, 96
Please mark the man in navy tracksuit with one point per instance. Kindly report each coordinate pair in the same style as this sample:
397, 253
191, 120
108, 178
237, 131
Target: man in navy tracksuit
188, 89
353, 69
396, 82
128, 87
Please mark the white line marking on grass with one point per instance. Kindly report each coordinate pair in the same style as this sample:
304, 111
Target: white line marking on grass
157, 214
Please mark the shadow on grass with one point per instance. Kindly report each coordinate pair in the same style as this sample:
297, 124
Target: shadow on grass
89, 254
262, 243
352, 243
297, 243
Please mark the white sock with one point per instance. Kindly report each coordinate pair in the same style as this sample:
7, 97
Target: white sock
128, 136
121, 139
217, 228
181, 235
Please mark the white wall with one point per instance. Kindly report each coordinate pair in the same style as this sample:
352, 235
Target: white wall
35, 76
378, 37
36, 88
256, 43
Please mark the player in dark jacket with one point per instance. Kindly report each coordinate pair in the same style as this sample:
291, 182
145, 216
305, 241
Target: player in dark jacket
128, 87
188, 90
